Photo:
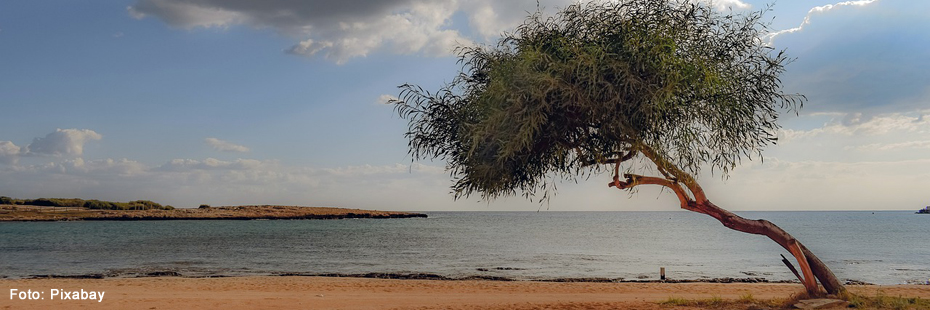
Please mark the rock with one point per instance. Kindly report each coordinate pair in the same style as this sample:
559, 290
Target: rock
819, 303
163, 274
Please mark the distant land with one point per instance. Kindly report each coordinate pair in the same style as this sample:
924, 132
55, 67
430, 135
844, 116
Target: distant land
56, 209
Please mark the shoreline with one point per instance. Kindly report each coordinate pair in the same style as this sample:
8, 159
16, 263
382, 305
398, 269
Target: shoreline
307, 292
422, 276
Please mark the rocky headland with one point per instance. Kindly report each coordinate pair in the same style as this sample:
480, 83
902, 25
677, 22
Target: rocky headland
45, 213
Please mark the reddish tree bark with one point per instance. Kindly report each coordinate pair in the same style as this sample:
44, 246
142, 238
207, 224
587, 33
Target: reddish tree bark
682, 183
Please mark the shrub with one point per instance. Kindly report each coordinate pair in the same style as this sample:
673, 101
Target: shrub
144, 205
90, 204
204, 206
104, 205
55, 202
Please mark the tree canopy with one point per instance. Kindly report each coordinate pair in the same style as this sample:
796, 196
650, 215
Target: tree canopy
596, 83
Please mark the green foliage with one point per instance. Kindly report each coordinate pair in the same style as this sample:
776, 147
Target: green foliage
204, 206
56, 202
104, 205
145, 205
594, 83
90, 204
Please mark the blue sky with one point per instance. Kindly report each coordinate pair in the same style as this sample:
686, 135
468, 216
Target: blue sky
279, 102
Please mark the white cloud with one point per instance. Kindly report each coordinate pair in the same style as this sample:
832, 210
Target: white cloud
419, 30
9, 152
723, 5
103, 167
62, 142
909, 145
184, 165
225, 146
386, 99
813, 11
366, 170
856, 124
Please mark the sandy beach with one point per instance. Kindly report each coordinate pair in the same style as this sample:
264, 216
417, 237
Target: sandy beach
268, 292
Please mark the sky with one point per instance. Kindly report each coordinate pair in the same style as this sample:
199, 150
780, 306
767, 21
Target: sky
235, 102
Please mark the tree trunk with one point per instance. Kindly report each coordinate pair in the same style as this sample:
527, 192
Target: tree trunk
766, 228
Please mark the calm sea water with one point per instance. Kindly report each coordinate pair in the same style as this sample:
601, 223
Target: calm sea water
882, 248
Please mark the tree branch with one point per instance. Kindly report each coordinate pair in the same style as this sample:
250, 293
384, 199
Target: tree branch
629, 155
680, 175
633, 180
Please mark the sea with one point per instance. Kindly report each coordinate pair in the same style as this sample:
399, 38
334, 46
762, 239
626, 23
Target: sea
881, 247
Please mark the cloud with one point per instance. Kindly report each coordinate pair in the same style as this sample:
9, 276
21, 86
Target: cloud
386, 99
813, 11
342, 30
848, 142
858, 125
723, 5
62, 142
9, 152
420, 28
925, 144
182, 165
367, 170
107, 168
225, 146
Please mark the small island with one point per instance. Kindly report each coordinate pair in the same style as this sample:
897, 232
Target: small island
924, 210
55, 209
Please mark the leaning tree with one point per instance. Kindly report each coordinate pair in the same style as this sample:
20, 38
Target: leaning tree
656, 89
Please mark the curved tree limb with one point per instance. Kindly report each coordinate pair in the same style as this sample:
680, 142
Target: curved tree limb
810, 265
633, 180
783, 238
664, 165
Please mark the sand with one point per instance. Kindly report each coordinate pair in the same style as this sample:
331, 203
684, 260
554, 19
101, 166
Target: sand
357, 293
